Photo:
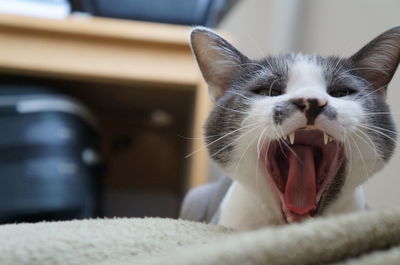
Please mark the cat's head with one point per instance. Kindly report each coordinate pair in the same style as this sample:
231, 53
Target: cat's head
298, 129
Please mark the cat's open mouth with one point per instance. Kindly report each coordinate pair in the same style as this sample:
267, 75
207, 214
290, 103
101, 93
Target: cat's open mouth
302, 168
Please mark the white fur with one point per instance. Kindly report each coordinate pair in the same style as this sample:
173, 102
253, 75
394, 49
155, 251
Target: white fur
243, 209
252, 201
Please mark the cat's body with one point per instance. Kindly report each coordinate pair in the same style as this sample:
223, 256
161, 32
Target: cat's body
298, 134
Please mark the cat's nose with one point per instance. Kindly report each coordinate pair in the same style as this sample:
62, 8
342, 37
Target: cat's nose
311, 107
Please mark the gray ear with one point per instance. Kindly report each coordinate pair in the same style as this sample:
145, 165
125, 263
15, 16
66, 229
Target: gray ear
218, 60
378, 60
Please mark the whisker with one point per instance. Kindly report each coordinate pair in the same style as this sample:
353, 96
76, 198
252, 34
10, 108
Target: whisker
233, 110
278, 137
272, 84
350, 153
234, 141
365, 68
242, 156
374, 113
238, 94
258, 156
227, 63
269, 143
342, 76
220, 138
370, 93
379, 128
378, 132
337, 66
243, 122
361, 156
372, 147
291, 150
259, 142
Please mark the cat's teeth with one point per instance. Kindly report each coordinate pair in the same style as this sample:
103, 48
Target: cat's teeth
326, 138
290, 219
291, 138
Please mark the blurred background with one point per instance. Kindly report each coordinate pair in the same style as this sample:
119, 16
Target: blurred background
101, 101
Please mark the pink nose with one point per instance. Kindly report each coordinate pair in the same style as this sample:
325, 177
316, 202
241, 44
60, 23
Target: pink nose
305, 103
311, 107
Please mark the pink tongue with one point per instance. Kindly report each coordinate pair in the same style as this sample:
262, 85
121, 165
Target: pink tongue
300, 191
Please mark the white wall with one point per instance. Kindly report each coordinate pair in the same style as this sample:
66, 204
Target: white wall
262, 27
337, 27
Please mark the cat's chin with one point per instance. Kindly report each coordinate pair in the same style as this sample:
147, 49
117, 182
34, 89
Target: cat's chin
302, 167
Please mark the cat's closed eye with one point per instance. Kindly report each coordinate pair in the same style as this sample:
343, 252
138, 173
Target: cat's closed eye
342, 92
273, 90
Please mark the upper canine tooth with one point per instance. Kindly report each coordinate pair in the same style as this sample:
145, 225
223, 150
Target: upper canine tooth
326, 137
291, 138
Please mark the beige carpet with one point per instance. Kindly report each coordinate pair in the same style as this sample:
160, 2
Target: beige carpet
364, 238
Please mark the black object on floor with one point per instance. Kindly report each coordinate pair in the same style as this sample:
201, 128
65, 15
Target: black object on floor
48, 157
186, 12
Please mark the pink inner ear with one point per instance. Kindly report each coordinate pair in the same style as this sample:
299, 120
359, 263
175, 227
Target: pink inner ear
219, 62
378, 60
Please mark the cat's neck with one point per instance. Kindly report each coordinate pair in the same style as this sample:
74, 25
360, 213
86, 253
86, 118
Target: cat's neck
243, 209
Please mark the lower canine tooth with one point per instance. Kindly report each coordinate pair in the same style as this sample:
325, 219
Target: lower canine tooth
291, 138
290, 219
330, 139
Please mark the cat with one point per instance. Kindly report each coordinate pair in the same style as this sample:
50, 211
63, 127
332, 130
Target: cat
297, 134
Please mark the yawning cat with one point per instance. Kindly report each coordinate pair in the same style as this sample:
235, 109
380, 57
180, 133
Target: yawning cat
298, 134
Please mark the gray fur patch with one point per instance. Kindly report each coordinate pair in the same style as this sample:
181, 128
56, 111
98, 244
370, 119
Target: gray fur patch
282, 111
223, 126
333, 190
329, 112
378, 125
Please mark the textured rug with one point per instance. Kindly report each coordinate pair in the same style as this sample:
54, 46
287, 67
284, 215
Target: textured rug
371, 237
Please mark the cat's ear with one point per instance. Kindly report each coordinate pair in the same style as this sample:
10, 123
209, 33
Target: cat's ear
218, 60
378, 60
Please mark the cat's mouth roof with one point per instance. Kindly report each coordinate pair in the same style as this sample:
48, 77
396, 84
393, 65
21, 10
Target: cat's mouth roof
302, 166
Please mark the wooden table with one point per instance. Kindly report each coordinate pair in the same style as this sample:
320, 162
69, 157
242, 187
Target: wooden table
116, 57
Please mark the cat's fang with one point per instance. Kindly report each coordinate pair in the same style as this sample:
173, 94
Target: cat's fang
290, 219
294, 218
291, 138
326, 137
